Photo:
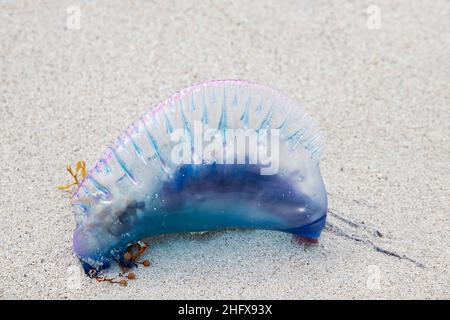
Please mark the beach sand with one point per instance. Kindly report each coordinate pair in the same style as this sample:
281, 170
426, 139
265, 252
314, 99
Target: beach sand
380, 94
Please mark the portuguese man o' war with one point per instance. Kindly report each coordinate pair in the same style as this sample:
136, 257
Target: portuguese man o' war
220, 154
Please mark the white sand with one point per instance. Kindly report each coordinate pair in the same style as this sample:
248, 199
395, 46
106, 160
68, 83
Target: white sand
382, 98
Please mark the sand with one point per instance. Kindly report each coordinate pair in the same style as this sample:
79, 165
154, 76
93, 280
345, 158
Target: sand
381, 97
